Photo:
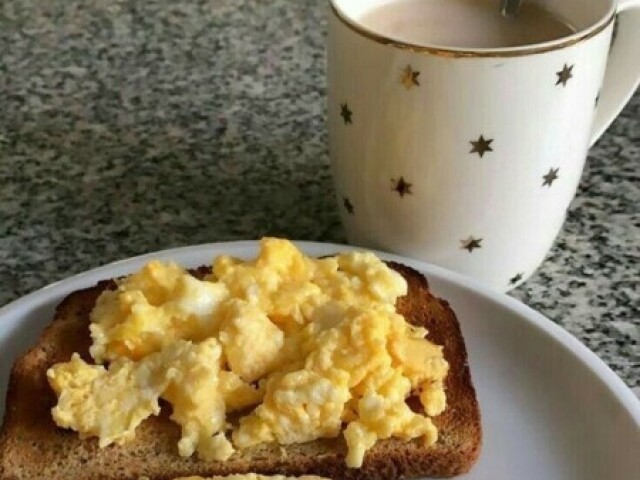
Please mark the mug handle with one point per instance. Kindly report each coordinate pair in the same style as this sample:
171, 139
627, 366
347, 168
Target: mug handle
623, 68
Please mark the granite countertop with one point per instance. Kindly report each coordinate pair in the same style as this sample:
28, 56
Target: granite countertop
128, 127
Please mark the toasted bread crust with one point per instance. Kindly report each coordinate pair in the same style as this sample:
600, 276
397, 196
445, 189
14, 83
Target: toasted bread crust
33, 447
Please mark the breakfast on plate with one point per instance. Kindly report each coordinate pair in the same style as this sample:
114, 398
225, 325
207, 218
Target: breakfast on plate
345, 367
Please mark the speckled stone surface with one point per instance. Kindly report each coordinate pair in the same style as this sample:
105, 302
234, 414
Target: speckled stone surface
128, 127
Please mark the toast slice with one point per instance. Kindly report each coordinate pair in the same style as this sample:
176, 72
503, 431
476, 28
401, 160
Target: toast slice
33, 447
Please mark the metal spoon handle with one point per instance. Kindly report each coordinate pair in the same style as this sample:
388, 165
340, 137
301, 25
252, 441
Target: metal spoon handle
509, 8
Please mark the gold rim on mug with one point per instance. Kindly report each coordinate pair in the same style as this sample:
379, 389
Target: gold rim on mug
454, 53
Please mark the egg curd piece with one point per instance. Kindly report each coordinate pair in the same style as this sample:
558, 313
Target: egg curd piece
251, 342
108, 404
278, 281
358, 345
363, 345
383, 413
419, 360
198, 404
291, 288
151, 309
237, 393
360, 350
298, 407
371, 278
111, 403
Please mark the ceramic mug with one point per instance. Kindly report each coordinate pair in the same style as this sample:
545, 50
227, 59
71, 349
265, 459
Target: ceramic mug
469, 158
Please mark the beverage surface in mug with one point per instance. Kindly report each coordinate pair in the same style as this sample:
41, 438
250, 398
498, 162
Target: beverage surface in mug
464, 23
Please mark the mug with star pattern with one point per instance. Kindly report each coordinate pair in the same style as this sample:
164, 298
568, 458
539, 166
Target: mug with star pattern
468, 158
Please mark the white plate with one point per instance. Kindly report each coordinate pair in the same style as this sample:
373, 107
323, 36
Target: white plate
550, 408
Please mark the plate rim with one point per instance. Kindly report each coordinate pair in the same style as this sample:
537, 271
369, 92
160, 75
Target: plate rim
614, 384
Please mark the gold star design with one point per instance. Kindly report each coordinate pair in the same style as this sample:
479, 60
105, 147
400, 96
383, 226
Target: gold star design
481, 146
516, 278
401, 186
564, 75
550, 177
410, 77
348, 206
470, 243
345, 113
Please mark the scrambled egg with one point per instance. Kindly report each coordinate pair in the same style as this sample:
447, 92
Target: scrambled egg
301, 348
111, 403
